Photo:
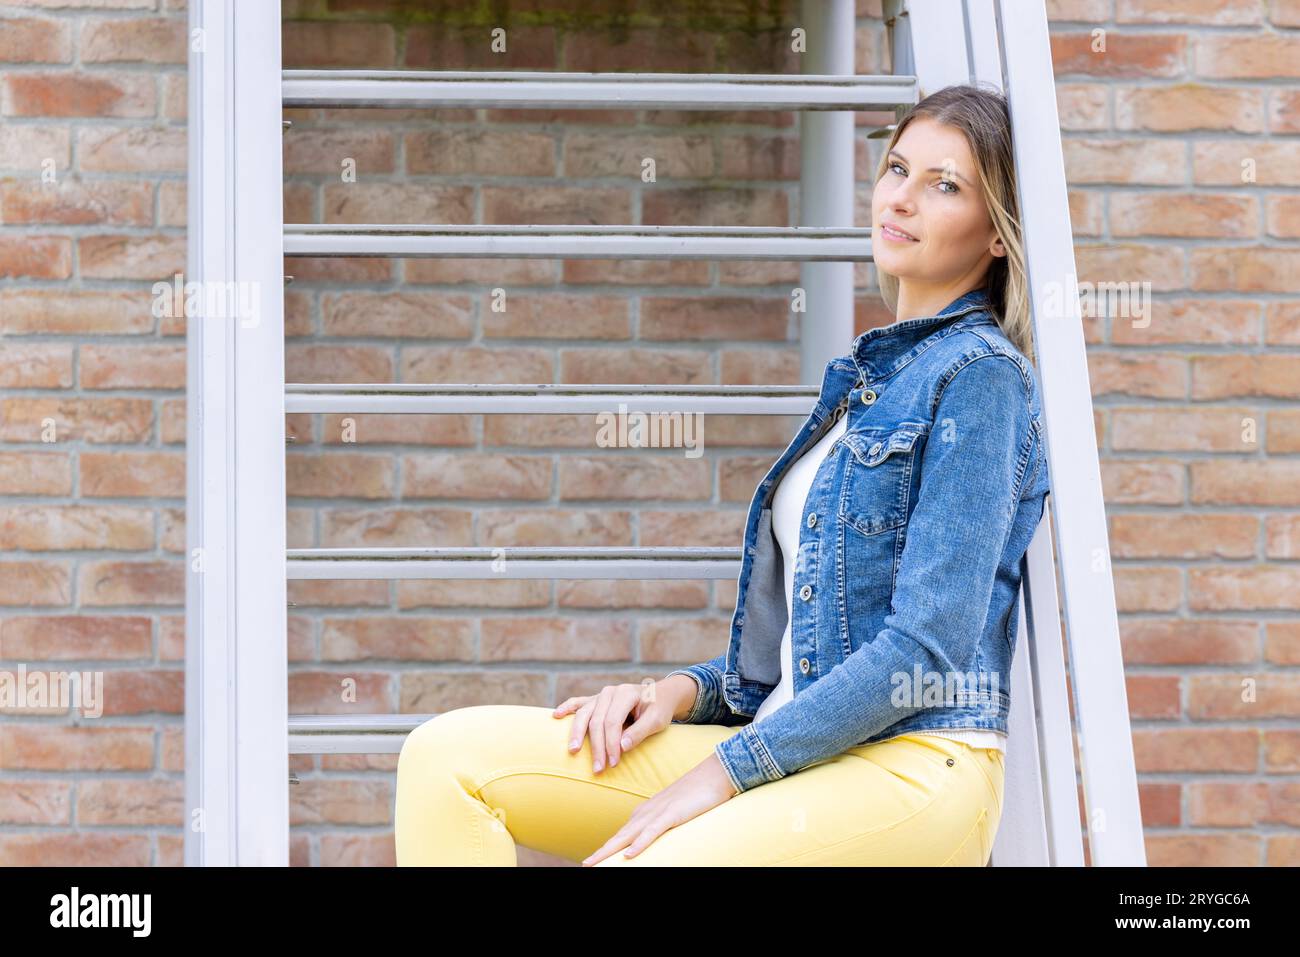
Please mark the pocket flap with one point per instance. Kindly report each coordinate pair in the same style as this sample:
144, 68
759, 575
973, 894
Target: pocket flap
872, 448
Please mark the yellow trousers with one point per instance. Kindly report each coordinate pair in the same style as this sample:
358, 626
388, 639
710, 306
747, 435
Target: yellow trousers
472, 783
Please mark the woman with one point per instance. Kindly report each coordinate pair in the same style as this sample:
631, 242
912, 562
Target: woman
867, 671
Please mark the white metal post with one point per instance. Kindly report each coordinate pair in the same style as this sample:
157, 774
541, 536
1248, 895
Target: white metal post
826, 188
1114, 817
236, 662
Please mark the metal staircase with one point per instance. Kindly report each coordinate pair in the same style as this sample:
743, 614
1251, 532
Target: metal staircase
237, 736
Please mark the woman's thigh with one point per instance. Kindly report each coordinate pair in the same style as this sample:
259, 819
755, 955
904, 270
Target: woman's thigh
514, 761
915, 800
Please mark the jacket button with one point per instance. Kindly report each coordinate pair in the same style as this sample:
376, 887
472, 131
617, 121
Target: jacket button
812, 519
805, 665
868, 396
805, 592
874, 449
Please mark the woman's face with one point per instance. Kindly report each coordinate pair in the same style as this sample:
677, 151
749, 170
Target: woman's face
929, 190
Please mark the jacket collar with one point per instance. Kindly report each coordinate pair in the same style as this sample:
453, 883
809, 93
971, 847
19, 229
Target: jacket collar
879, 353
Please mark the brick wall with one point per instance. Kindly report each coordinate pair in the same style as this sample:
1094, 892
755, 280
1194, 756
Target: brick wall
1195, 413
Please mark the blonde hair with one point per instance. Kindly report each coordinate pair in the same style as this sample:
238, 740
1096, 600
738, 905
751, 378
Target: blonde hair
982, 115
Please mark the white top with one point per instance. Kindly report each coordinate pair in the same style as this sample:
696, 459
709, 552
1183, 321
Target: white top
787, 518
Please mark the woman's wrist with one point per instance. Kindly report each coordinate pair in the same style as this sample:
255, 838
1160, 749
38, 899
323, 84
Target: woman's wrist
682, 691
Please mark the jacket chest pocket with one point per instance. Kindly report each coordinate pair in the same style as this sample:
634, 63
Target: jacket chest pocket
878, 479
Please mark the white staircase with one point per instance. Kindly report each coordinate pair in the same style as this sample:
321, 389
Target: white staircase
237, 737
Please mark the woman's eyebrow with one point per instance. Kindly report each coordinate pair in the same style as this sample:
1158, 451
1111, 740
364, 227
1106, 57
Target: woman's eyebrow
936, 169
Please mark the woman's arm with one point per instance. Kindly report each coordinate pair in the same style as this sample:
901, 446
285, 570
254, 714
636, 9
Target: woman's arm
972, 473
709, 707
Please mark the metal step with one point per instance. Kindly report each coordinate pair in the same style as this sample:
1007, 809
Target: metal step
532, 241
502, 562
525, 89
549, 399
351, 734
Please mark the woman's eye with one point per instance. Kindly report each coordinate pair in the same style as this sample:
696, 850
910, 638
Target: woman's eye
897, 166
948, 182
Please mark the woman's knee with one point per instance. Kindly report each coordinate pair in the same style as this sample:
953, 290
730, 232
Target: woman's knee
451, 733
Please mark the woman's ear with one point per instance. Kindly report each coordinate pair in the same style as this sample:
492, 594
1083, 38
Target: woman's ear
997, 249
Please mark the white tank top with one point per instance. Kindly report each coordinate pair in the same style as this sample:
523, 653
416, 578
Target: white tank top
787, 513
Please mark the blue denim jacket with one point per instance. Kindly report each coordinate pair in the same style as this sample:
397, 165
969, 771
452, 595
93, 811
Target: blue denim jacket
907, 583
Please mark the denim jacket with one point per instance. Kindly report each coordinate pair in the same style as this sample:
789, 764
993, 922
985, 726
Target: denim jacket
907, 581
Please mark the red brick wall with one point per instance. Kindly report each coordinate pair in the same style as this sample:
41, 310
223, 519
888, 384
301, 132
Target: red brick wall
1204, 512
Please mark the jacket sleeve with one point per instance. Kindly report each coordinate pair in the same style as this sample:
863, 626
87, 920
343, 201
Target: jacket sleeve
972, 472
710, 706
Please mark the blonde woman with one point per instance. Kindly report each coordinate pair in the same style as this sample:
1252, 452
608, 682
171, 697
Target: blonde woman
858, 715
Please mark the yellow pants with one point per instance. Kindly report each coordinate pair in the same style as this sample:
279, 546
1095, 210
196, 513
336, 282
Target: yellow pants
474, 782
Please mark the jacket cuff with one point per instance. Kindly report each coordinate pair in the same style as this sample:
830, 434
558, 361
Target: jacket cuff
746, 759
709, 696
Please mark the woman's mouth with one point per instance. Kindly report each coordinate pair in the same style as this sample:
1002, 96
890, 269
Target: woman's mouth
897, 235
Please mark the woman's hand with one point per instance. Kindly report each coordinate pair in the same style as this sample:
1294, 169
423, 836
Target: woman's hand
703, 787
604, 714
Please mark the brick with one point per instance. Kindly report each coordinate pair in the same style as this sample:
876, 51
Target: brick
132, 803
40, 528
633, 476
1195, 321
693, 528
557, 205
133, 149
1189, 106
36, 365
395, 527
368, 201
70, 637
1197, 641
34, 583
605, 594
76, 848
399, 638
1246, 482
1222, 376
554, 639
470, 363
408, 314
1222, 750
410, 428
716, 206
1184, 215
323, 151
1145, 374
76, 202
74, 311
310, 362
1189, 536
553, 316
35, 257
471, 593
476, 475
1127, 53
132, 367
359, 46
1194, 12
1234, 56
35, 473
34, 148
714, 318
339, 692
29, 40
1253, 587
1151, 161
62, 748
132, 474
79, 94
527, 527
131, 583
351, 475
35, 419
647, 366
25, 802
1082, 106
433, 692
484, 152
156, 258
342, 802
1244, 162
1249, 696
134, 40
1243, 268
1180, 429
1282, 536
